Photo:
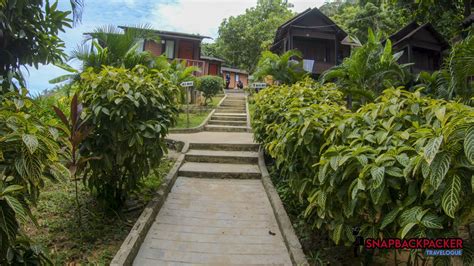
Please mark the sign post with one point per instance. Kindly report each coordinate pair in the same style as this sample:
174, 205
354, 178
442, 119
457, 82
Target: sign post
259, 85
188, 85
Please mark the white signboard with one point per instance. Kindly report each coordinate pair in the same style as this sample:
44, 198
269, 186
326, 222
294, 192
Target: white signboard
187, 84
259, 85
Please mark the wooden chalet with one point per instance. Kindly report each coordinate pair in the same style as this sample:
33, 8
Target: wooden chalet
234, 75
421, 45
317, 37
183, 46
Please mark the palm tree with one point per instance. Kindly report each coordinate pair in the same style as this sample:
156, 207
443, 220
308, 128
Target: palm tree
284, 69
368, 71
113, 46
109, 46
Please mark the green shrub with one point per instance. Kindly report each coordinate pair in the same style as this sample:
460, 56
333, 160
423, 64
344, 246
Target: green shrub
130, 112
28, 155
210, 86
399, 167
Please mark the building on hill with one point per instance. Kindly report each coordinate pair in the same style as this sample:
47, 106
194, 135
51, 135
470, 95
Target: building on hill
421, 45
183, 46
322, 43
234, 76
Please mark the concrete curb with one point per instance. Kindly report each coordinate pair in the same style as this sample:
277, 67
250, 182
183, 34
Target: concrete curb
130, 246
201, 126
249, 127
291, 240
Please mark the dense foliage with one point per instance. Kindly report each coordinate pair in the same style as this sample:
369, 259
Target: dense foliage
370, 69
242, 38
28, 155
28, 37
283, 69
401, 166
210, 86
452, 81
355, 18
387, 17
130, 112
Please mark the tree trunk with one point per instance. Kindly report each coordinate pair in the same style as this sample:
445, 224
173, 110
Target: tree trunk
349, 101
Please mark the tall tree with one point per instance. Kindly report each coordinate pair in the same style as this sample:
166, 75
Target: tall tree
29, 36
242, 38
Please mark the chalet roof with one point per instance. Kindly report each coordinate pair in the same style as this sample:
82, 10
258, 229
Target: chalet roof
411, 29
229, 69
174, 34
293, 21
210, 58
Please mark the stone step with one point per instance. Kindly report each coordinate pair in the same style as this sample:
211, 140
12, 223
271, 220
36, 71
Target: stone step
232, 108
229, 118
224, 146
220, 170
227, 122
219, 128
212, 156
230, 114
232, 111
232, 105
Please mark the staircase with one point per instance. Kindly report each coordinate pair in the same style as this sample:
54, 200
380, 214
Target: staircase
230, 116
237, 161
217, 212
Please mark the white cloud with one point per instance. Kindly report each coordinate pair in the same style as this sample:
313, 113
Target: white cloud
205, 16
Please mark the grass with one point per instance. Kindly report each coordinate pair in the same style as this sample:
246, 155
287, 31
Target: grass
196, 118
102, 232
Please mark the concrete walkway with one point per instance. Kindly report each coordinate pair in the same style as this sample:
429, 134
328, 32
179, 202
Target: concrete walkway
218, 212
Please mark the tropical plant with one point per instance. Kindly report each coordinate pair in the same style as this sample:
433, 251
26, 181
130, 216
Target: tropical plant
399, 167
368, 71
130, 111
210, 86
289, 122
28, 155
76, 131
284, 69
452, 81
28, 37
112, 46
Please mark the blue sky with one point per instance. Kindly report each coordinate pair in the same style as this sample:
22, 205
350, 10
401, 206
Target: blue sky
190, 16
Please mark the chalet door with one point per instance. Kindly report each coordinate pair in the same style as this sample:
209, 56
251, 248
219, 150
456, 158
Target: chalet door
185, 50
213, 69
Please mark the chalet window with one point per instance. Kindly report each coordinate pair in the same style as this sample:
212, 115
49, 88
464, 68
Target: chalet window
168, 48
237, 78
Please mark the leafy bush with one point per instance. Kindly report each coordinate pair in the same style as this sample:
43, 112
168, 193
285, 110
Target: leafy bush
282, 68
130, 112
401, 166
290, 122
210, 86
28, 155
